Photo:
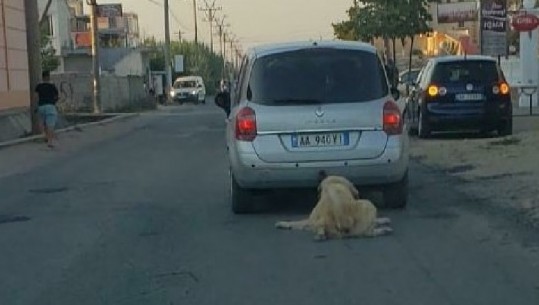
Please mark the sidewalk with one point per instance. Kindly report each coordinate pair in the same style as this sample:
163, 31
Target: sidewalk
77, 127
498, 172
24, 154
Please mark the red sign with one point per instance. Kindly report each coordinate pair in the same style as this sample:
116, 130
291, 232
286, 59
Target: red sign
525, 22
82, 39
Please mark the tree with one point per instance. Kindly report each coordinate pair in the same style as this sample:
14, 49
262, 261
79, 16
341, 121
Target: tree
386, 19
415, 21
198, 60
348, 29
49, 60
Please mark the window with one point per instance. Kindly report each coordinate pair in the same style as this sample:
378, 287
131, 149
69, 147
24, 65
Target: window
466, 71
239, 83
326, 75
48, 26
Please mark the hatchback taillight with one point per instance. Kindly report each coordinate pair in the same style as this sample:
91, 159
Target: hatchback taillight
392, 119
246, 124
502, 88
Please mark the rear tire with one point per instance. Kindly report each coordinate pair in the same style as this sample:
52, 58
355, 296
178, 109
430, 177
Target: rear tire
505, 128
396, 194
242, 199
423, 128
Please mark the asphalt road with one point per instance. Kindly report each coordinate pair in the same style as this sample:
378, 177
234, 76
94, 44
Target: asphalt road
143, 218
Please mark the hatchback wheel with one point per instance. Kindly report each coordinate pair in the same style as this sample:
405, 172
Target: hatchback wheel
242, 202
423, 128
396, 194
505, 128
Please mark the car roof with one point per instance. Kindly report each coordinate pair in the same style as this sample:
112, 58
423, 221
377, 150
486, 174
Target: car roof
188, 78
274, 48
411, 70
452, 58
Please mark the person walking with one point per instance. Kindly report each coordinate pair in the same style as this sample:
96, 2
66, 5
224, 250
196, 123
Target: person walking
47, 95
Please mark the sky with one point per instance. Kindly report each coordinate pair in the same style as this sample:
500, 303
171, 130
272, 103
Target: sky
251, 21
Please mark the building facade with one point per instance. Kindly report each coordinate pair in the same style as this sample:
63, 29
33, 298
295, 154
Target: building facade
14, 79
58, 25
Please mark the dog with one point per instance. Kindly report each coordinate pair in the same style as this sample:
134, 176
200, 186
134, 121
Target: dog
340, 213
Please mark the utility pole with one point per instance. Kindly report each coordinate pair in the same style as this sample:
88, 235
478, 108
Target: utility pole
210, 10
224, 55
34, 56
168, 67
196, 22
220, 23
95, 57
180, 35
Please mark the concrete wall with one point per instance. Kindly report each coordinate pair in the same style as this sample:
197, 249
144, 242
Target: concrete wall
14, 82
77, 63
119, 61
117, 93
131, 64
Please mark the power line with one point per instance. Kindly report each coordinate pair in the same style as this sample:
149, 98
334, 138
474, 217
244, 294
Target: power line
210, 10
175, 17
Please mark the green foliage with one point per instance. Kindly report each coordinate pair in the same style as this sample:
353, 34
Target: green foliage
384, 19
49, 60
198, 60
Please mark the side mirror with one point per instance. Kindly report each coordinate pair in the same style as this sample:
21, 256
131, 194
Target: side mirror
395, 93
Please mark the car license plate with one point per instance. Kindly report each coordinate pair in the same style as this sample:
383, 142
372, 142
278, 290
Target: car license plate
321, 140
469, 97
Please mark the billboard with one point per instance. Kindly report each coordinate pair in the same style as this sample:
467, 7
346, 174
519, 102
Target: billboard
457, 12
493, 27
109, 10
178, 63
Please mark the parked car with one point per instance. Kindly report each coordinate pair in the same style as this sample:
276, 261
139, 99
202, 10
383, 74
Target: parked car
188, 89
300, 108
461, 93
406, 80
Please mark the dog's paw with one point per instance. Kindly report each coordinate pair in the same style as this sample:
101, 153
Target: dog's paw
283, 225
387, 230
383, 221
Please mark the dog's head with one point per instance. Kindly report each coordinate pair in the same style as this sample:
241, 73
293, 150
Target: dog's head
325, 179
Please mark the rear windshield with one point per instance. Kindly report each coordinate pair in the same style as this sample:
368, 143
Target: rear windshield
409, 76
317, 76
185, 84
466, 71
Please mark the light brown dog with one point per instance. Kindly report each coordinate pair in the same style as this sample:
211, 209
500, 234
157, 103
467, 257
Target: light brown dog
339, 213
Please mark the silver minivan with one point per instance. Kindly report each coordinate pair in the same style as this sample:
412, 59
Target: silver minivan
301, 108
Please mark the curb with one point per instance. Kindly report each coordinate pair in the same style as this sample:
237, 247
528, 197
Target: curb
67, 129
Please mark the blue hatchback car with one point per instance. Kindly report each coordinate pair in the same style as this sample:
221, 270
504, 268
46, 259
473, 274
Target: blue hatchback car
460, 93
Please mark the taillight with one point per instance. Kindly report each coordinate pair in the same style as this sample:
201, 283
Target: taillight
502, 88
392, 119
246, 124
434, 90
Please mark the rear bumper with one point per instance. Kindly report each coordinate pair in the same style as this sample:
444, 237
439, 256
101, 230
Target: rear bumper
188, 97
251, 172
483, 118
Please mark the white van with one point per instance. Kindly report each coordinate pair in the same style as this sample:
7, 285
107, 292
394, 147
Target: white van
188, 89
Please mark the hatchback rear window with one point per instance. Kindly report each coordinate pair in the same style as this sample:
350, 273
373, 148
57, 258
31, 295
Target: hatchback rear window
466, 71
318, 75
